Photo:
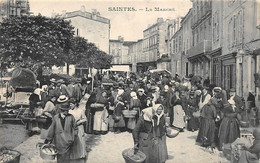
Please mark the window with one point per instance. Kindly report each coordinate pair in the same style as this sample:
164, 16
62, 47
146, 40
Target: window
77, 32
217, 26
234, 36
229, 33
179, 43
229, 77
240, 27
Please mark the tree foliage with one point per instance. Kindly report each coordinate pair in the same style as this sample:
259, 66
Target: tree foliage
85, 54
34, 39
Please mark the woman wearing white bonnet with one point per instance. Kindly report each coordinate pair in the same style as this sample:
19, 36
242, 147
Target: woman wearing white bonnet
150, 135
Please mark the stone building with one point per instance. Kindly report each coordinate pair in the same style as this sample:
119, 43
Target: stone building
186, 42
10, 8
90, 25
93, 27
198, 54
120, 50
136, 53
240, 48
155, 46
217, 36
175, 44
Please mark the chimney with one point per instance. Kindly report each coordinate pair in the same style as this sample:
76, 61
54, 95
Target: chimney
159, 20
82, 9
121, 39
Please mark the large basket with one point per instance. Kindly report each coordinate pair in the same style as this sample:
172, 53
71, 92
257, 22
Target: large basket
47, 156
130, 157
171, 132
16, 156
129, 113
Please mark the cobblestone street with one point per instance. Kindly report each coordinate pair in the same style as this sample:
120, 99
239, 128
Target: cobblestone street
181, 149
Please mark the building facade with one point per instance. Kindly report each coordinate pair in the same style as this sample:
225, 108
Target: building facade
9, 8
175, 45
198, 54
120, 50
91, 26
240, 58
186, 42
217, 36
135, 52
155, 46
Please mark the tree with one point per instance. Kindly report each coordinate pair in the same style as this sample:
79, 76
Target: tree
85, 54
27, 40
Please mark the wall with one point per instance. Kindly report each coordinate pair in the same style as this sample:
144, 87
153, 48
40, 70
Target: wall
94, 31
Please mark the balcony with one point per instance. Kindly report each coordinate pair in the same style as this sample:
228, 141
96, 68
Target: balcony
203, 47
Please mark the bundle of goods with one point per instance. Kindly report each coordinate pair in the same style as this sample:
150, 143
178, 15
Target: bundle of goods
131, 157
23, 78
9, 113
129, 113
171, 132
47, 151
9, 156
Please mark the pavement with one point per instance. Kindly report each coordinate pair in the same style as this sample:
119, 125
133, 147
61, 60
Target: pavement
108, 149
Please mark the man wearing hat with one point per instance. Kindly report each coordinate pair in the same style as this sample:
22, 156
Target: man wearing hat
62, 133
52, 86
61, 89
75, 90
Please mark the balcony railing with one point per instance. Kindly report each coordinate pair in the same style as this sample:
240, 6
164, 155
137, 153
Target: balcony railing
202, 47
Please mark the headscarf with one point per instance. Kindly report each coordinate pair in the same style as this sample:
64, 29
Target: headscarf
133, 95
148, 114
120, 92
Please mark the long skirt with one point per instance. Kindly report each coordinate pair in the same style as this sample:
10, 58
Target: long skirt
207, 130
193, 123
155, 152
99, 122
228, 131
131, 123
90, 120
111, 123
120, 123
178, 114
79, 145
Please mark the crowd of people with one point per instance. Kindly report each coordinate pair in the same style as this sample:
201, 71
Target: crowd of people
142, 104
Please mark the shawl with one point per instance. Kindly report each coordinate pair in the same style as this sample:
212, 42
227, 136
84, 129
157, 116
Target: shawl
150, 112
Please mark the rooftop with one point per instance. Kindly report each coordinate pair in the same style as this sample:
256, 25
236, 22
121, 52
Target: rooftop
94, 15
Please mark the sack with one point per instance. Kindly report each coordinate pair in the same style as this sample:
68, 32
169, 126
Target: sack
196, 114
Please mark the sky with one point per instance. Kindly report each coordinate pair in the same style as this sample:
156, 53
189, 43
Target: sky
128, 24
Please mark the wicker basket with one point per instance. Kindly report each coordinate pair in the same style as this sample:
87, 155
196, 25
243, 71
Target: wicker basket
171, 132
130, 157
16, 156
129, 113
47, 156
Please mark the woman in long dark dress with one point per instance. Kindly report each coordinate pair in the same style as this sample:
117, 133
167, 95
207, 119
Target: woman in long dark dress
150, 135
193, 122
207, 123
229, 127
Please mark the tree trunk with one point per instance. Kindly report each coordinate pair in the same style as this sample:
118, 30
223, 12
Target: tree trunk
68, 68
